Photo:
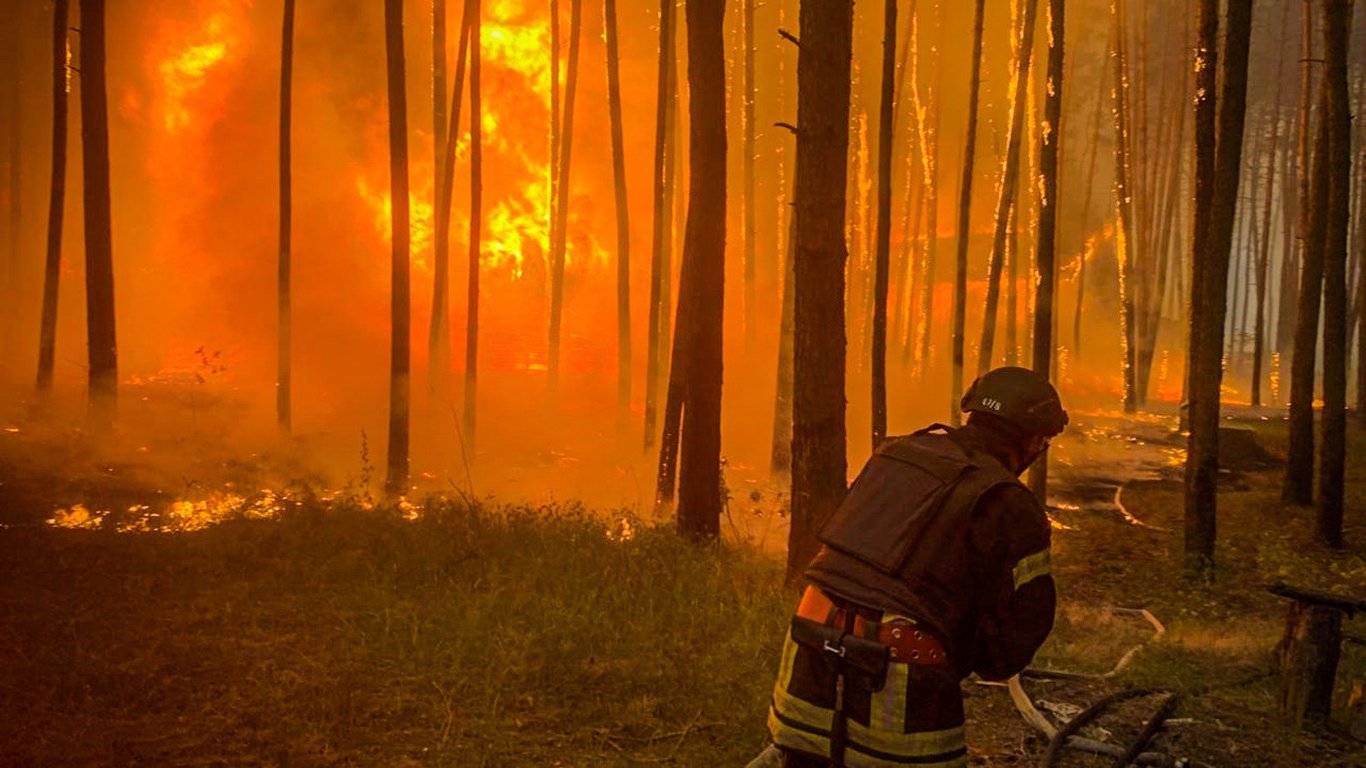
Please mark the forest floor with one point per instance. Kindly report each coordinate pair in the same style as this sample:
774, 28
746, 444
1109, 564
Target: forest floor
197, 626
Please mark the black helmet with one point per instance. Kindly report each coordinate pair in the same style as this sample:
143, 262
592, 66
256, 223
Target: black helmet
1019, 396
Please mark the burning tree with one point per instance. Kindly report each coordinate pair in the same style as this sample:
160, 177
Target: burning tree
396, 480
52, 267
99, 245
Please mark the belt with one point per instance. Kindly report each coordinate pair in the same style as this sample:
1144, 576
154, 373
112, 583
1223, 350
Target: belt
909, 641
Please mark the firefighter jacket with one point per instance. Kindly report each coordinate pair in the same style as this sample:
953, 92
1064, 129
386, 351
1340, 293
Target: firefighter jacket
937, 529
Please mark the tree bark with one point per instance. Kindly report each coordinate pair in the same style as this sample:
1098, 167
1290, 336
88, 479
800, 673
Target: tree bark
1009, 181
52, 266
474, 14
1333, 451
780, 460
99, 248
818, 418
1308, 656
438, 348
562, 193
396, 479
750, 220
882, 261
623, 219
1050, 138
927, 124
659, 297
703, 279
1264, 258
1220, 193
960, 285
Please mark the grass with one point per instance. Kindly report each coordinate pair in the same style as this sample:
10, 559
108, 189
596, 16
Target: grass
478, 635
342, 636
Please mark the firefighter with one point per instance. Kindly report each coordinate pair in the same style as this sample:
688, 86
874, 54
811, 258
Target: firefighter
934, 567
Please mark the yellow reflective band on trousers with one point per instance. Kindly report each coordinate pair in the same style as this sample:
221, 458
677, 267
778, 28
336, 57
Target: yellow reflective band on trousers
801, 725
1031, 567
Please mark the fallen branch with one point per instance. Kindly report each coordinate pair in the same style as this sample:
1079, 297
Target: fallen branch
1034, 717
1155, 724
1065, 736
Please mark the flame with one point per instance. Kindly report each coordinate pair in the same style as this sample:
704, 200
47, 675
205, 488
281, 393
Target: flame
420, 219
184, 72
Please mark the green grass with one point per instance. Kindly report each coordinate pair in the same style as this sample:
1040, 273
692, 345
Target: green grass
344, 636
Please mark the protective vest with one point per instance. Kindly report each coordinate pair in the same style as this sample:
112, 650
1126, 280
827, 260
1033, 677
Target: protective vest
898, 542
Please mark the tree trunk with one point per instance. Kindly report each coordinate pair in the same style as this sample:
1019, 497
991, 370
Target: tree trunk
1220, 193
1298, 487
438, 338
960, 285
1124, 209
1048, 221
1290, 273
438, 347
1333, 451
1009, 181
703, 278
751, 223
474, 18
927, 124
396, 479
99, 248
1308, 657
1264, 258
818, 429
284, 371
1012, 269
659, 297
52, 267
780, 462
563, 193
623, 219
882, 260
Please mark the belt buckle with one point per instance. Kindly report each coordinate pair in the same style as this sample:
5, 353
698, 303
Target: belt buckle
837, 650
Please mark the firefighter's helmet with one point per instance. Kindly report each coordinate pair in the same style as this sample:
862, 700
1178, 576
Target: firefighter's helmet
1019, 396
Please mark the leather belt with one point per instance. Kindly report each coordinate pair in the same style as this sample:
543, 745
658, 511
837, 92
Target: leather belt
909, 641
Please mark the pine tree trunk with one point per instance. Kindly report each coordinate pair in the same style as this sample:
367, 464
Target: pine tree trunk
1042, 358
960, 285
1012, 269
284, 371
882, 262
563, 193
1264, 257
623, 219
1333, 451
818, 417
1009, 181
1221, 194
438, 338
396, 479
438, 348
750, 220
52, 266
1298, 487
99, 248
927, 126
703, 278
474, 14
780, 462
1123, 196
659, 297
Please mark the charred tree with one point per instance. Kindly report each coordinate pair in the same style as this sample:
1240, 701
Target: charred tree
438, 348
960, 285
474, 16
623, 217
396, 479
927, 125
824, 64
780, 461
1087, 238
882, 259
1050, 138
1222, 136
284, 371
561, 213
1010, 171
702, 283
1333, 450
659, 296
52, 265
99, 247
